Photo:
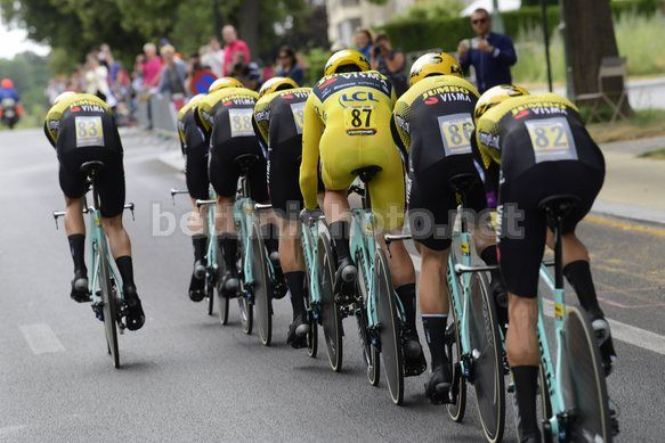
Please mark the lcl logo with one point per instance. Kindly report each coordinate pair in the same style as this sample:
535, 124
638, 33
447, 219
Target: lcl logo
358, 96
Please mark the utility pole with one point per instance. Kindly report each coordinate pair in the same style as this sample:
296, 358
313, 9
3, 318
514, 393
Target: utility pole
563, 29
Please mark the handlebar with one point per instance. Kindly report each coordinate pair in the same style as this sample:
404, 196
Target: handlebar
262, 207
389, 238
175, 192
200, 203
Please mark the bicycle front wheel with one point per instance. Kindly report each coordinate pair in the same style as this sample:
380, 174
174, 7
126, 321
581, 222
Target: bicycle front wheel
488, 378
109, 305
583, 387
391, 349
330, 313
261, 286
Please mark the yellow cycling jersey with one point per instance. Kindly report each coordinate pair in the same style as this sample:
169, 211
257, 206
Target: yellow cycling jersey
283, 109
344, 113
227, 97
73, 103
512, 115
425, 109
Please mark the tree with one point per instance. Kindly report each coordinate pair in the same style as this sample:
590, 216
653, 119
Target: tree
589, 36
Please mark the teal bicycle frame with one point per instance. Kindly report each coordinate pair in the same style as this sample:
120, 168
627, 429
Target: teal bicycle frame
309, 230
363, 244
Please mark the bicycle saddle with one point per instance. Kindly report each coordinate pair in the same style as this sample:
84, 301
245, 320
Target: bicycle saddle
366, 173
559, 205
462, 183
92, 167
245, 162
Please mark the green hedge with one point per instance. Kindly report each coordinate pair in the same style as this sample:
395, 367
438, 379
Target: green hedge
414, 35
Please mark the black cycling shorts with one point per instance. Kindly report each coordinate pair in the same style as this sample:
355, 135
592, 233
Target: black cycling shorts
111, 180
283, 173
196, 162
224, 172
432, 202
523, 226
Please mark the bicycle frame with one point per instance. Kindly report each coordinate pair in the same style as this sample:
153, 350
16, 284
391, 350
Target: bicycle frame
309, 233
552, 372
363, 243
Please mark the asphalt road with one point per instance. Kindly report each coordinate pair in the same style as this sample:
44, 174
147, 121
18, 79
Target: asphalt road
186, 378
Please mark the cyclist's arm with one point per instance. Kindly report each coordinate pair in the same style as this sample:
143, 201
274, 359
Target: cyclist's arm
488, 168
51, 123
202, 116
261, 123
311, 135
399, 130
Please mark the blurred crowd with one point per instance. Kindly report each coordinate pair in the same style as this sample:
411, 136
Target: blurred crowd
161, 69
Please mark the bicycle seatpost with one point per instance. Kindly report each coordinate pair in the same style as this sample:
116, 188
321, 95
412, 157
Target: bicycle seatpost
558, 253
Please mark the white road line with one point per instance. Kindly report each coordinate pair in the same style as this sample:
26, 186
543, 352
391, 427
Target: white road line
41, 338
620, 331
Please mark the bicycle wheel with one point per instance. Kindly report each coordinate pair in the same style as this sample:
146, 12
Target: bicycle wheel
222, 301
313, 334
330, 314
456, 409
246, 314
545, 403
584, 389
109, 305
261, 286
370, 353
488, 377
391, 349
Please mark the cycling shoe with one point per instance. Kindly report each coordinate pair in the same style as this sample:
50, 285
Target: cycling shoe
345, 277
601, 329
297, 335
199, 269
230, 285
80, 292
414, 358
134, 315
196, 289
437, 389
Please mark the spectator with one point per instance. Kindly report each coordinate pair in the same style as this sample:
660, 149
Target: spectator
249, 75
151, 67
490, 54
96, 79
363, 40
288, 65
235, 50
174, 73
213, 57
390, 62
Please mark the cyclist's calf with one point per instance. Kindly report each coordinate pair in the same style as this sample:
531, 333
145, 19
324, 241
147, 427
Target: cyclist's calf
74, 223
521, 339
118, 238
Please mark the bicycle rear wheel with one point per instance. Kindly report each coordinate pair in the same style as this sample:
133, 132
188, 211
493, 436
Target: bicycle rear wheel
261, 287
330, 314
222, 301
584, 389
313, 334
370, 353
109, 305
456, 409
391, 349
488, 377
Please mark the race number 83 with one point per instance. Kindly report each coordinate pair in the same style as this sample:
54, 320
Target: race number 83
89, 131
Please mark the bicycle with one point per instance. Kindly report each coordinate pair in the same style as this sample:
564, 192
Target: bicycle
106, 296
257, 274
572, 387
215, 264
310, 226
473, 338
374, 304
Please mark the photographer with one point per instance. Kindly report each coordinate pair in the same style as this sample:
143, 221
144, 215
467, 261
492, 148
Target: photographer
389, 62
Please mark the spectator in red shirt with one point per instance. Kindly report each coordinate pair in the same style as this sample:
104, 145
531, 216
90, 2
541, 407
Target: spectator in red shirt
235, 50
152, 66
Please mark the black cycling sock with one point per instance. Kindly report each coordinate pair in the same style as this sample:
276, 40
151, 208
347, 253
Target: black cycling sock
77, 249
126, 269
270, 235
228, 244
296, 283
407, 295
340, 235
435, 334
489, 255
578, 273
200, 243
526, 386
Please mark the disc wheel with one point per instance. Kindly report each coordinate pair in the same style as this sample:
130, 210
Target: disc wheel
584, 389
109, 306
370, 352
330, 314
261, 286
488, 377
391, 350
457, 408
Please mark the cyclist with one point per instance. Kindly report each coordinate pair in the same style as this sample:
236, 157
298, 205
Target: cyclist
194, 145
81, 128
532, 147
433, 125
278, 118
347, 127
225, 116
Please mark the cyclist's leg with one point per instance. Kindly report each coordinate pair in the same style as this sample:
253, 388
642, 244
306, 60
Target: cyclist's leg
521, 245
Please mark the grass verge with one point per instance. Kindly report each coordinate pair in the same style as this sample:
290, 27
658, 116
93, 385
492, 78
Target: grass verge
643, 124
656, 154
